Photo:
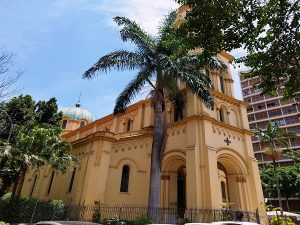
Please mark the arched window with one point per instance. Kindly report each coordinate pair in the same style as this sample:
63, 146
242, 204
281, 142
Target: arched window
129, 125
72, 180
178, 114
33, 185
50, 183
82, 124
64, 124
125, 179
221, 115
222, 84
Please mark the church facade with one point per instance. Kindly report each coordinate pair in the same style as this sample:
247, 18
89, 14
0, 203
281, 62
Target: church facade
208, 157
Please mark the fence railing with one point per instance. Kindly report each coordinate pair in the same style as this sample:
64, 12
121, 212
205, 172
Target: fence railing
101, 213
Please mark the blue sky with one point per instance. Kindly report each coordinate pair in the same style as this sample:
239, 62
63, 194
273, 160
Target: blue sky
55, 41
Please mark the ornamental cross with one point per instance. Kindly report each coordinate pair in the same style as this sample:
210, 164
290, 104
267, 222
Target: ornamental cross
227, 141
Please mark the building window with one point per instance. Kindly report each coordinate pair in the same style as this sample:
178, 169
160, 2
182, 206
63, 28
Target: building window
256, 147
291, 120
178, 114
262, 115
33, 185
251, 118
250, 109
72, 180
64, 124
222, 84
294, 129
129, 125
82, 124
50, 183
274, 113
260, 107
289, 110
221, 115
125, 179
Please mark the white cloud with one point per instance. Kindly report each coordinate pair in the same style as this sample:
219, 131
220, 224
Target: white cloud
147, 13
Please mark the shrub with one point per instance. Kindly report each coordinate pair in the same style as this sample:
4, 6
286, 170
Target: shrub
115, 221
282, 221
143, 220
16, 209
3, 223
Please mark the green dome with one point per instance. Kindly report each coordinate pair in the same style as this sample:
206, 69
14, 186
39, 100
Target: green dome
77, 113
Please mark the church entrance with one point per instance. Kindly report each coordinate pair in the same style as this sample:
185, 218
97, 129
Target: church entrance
173, 183
232, 181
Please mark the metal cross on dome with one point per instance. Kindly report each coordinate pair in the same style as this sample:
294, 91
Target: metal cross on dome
227, 141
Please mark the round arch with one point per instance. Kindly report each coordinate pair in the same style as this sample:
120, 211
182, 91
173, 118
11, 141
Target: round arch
173, 159
233, 168
232, 161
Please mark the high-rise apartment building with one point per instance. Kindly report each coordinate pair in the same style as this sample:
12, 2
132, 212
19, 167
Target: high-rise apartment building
265, 108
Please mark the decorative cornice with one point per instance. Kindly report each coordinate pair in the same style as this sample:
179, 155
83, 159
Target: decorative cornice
228, 98
227, 55
98, 135
216, 122
106, 119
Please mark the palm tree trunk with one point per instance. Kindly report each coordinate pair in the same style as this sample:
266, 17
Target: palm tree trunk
155, 172
276, 176
287, 203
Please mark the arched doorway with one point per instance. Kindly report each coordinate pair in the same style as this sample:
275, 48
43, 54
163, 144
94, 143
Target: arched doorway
222, 176
173, 182
232, 172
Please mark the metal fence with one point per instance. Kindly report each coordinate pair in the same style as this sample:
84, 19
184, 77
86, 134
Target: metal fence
102, 213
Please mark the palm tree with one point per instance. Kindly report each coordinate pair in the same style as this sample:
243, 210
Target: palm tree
154, 59
274, 136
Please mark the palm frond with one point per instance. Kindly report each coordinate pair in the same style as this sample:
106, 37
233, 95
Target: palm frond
167, 25
198, 82
199, 62
200, 85
215, 63
133, 88
131, 31
118, 60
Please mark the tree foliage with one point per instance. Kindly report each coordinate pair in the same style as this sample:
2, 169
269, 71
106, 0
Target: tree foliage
30, 136
268, 30
275, 137
289, 181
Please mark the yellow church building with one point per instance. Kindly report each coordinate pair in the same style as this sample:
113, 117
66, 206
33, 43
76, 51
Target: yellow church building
208, 157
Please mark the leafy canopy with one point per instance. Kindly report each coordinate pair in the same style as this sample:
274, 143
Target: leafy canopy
30, 136
268, 30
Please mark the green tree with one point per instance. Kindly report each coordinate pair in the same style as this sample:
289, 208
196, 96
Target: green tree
34, 140
275, 137
289, 181
268, 30
154, 60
